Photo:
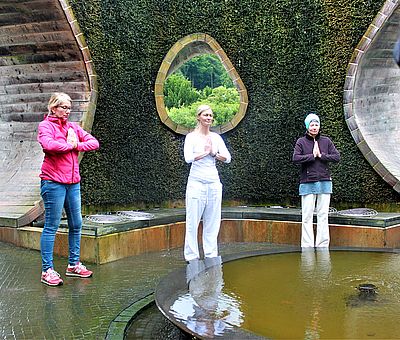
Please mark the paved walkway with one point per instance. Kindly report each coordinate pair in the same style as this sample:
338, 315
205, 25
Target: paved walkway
81, 308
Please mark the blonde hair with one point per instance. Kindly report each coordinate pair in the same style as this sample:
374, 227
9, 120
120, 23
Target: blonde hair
200, 110
56, 99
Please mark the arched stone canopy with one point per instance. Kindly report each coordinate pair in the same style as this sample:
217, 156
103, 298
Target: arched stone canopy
41, 51
372, 95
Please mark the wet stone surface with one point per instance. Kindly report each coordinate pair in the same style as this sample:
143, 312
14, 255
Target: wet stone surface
81, 308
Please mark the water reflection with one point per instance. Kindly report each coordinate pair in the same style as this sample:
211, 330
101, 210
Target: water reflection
72, 298
206, 310
315, 264
315, 269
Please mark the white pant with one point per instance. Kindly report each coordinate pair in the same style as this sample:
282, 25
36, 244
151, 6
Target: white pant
202, 200
307, 211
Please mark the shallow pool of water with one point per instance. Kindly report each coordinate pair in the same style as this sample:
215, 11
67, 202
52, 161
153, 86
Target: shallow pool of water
314, 295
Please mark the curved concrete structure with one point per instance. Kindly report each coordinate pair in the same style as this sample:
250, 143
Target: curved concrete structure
372, 95
41, 51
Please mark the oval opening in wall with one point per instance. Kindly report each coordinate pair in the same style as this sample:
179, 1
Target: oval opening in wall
195, 71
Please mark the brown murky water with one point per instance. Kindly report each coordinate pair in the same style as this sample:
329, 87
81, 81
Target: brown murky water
314, 295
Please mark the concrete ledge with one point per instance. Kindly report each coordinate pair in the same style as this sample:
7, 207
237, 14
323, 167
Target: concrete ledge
121, 323
105, 243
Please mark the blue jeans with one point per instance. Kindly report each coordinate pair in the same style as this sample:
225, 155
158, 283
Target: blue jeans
57, 196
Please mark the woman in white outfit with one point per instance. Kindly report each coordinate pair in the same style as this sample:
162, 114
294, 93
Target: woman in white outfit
204, 189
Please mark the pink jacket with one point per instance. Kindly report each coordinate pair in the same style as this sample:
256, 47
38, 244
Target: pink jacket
60, 162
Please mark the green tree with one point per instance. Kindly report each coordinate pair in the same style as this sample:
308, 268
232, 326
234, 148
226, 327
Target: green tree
201, 80
221, 94
223, 101
206, 92
206, 70
179, 92
185, 115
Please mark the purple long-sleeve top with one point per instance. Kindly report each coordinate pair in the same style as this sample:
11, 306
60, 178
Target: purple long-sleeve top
314, 169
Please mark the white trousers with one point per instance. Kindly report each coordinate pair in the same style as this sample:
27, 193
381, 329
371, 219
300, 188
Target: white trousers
307, 211
202, 200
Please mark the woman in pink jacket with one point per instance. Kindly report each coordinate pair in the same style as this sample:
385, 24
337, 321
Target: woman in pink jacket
62, 141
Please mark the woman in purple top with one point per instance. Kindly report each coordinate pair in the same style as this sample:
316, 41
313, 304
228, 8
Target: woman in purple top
313, 152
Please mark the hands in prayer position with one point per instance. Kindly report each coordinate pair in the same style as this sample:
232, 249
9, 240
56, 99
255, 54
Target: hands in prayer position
316, 151
72, 138
208, 145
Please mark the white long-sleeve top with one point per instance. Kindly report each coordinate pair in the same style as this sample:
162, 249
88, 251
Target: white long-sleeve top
204, 169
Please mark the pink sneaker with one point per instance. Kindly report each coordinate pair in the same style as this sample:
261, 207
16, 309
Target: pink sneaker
51, 277
78, 270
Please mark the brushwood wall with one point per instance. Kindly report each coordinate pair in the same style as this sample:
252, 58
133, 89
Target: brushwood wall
292, 56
